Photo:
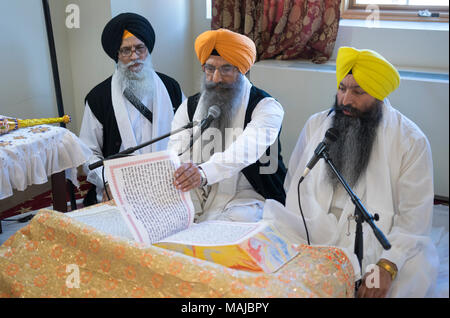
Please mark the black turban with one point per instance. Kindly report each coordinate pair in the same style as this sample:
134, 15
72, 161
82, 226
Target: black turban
134, 23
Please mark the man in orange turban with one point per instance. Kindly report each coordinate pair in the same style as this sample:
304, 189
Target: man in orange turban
235, 48
230, 168
133, 105
386, 159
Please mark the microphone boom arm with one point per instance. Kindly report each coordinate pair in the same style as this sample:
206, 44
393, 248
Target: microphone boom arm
133, 149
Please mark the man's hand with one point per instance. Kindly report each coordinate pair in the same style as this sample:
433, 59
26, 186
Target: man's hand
384, 285
187, 177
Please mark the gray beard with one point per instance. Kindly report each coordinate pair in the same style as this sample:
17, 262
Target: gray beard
226, 97
351, 152
140, 83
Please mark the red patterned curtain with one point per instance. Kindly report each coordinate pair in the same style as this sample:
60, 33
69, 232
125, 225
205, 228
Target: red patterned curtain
282, 29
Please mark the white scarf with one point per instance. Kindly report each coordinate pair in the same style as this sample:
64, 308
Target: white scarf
162, 116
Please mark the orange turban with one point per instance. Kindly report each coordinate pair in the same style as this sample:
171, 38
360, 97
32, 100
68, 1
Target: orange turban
127, 34
235, 48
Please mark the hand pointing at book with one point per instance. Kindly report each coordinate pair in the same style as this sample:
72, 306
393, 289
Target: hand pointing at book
187, 177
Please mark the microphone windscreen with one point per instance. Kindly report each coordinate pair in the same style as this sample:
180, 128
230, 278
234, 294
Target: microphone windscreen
214, 111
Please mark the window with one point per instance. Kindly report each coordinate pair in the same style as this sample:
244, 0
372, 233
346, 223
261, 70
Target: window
209, 9
401, 10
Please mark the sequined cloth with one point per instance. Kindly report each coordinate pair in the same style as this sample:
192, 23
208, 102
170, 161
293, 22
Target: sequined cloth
57, 256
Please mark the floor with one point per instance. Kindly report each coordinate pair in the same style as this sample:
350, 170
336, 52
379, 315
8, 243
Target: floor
9, 228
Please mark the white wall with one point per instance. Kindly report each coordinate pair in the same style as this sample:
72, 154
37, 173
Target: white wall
89, 64
26, 82
410, 45
63, 53
199, 25
304, 88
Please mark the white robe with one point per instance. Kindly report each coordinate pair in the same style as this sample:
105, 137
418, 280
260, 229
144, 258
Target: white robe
231, 196
398, 185
134, 128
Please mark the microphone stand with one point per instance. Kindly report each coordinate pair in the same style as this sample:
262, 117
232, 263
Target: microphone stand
361, 215
191, 142
130, 150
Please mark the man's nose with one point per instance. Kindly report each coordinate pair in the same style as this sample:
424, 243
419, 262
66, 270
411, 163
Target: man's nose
347, 98
134, 56
216, 76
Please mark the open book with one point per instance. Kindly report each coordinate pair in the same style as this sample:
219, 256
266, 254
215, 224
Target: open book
151, 211
142, 187
247, 246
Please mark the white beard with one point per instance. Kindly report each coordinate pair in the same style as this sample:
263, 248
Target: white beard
228, 100
140, 83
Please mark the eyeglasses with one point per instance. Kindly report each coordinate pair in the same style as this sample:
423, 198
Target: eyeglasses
224, 70
127, 51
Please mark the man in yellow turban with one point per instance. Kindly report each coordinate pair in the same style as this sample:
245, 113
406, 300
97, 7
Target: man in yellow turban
386, 159
234, 165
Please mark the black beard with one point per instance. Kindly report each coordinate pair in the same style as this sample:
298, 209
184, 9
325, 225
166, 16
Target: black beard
351, 152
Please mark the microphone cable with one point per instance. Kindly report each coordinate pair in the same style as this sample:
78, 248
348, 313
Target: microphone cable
104, 183
301, 211
20, 220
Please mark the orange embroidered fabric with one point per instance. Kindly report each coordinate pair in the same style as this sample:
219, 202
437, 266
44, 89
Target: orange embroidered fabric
57, 256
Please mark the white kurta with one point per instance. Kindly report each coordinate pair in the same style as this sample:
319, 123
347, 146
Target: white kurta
134, 128
231, 197
398, 185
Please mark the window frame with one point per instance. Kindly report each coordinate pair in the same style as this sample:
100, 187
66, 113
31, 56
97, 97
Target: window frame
351, 10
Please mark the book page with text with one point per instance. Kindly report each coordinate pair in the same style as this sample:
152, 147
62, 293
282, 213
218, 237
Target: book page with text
142, 187
215, 233
105, 218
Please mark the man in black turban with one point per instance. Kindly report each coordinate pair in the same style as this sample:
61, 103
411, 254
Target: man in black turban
133, 23
133, 105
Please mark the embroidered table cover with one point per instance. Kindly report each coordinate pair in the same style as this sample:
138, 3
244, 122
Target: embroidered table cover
30, 155
57, 256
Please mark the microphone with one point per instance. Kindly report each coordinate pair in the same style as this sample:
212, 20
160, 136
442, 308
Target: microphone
331, 135
213, 113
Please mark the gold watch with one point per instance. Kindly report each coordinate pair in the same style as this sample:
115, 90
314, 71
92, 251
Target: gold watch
390, 267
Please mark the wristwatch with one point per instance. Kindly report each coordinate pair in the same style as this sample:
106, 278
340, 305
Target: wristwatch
388, 266
203, 180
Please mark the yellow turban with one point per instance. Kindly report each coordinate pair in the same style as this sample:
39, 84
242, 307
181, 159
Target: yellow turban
373, 73
235, 48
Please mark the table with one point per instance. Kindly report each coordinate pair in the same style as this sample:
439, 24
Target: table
30, 155
58, 256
